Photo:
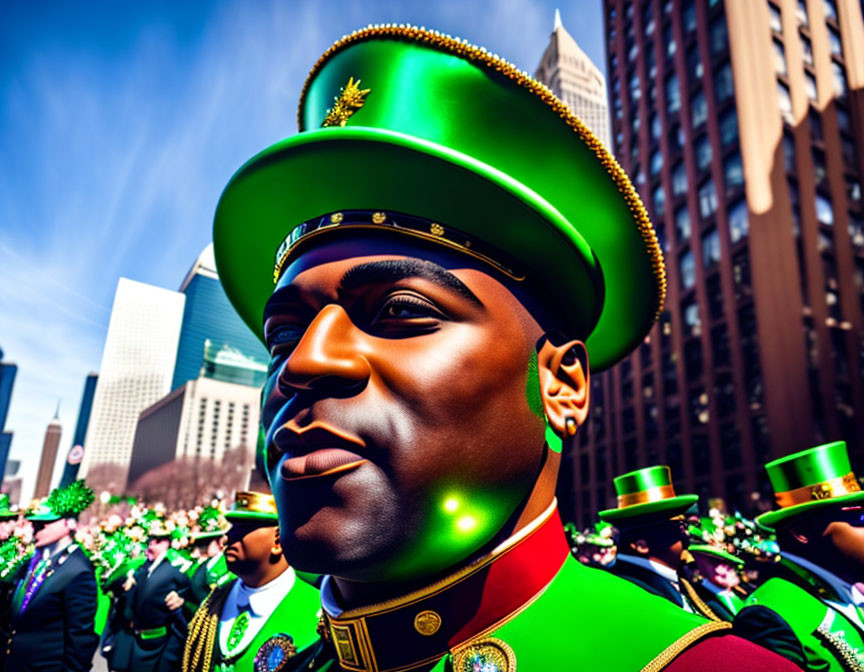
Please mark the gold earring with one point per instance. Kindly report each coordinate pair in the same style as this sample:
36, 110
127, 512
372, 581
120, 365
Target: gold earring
570, 426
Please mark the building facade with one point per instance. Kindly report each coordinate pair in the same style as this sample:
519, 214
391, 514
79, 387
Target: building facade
740, 123
76, 452
575, 80
136, 371
8, 371
49, 457
209, 316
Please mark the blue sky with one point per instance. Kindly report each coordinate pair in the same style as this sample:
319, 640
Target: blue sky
121, 122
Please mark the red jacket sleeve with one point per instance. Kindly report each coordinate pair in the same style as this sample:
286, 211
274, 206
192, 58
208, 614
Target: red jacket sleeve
728, 653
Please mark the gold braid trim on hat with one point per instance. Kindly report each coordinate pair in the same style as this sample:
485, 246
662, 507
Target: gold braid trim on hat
836, 487
482, 56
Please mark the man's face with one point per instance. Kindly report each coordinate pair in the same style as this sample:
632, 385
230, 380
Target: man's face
250, 546
399, 433
48, 533
843, 535
717, 571
156, 547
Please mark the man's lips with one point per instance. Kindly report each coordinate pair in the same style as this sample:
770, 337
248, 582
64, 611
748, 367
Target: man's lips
317, 450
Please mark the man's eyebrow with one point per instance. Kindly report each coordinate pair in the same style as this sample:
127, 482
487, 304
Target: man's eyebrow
289, 294
394, 270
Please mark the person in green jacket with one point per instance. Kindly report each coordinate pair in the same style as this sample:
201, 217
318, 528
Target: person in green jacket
817, 597
259, 619
209, 568
432, 261
717, 579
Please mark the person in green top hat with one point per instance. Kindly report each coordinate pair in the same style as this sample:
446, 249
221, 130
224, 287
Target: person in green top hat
432, 261
717, 579
653, 542
258, 620
209, 569
53, 611
816, 593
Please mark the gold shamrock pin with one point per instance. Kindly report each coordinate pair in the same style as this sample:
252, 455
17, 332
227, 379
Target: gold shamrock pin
350, 99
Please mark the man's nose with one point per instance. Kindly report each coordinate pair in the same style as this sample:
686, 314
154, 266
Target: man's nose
327, 356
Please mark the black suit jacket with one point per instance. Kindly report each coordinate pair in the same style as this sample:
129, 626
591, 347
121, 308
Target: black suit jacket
144, 609
55, 632
647, 580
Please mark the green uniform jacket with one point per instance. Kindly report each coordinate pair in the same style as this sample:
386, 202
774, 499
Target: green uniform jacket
829, 641
296, 617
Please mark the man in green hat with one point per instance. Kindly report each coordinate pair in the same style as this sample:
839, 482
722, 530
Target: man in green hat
209, 569
155, 628
430, 262
717, 579
54, 606
259, 619
817, 595
652, 542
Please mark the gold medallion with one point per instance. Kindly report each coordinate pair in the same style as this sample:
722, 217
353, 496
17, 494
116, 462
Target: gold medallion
427, 623
488, 654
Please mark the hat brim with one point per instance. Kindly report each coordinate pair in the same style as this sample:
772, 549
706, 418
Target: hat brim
206, 536
772, 519
9, 515
44, 517
716, 553
668, 508
252, 515
360, 168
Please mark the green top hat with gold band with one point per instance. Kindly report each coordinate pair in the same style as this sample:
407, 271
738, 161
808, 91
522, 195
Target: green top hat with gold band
716, 553
249, 505
812, 479
401, 121
647, 492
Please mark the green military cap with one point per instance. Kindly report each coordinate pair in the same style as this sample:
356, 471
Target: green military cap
647, 492
211, 524
811, 479
66, 502
7, 512
249, 505
399, 123
717, 553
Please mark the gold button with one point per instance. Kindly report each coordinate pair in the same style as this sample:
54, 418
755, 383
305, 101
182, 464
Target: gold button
427, 623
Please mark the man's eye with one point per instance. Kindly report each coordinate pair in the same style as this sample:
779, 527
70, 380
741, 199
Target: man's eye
281, 341
407, 307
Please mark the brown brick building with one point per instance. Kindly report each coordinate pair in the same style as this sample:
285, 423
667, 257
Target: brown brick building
742, 125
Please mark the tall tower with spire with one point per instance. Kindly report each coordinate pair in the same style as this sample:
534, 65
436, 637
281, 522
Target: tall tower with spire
574, 78
49, 456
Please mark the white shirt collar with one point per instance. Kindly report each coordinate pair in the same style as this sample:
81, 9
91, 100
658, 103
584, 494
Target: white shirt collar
264, 599
658, 568
52, 550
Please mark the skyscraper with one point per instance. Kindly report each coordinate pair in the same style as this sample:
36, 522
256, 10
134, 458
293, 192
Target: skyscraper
575, 80
49, 456
740, 123
76, 452
136, 370
7, 380
209, 316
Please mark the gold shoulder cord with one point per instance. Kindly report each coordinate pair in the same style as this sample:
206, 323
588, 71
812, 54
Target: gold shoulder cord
483, 57
203, 630
703, 608
668, 654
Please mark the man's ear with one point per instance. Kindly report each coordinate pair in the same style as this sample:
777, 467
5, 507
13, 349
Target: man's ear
564, 389
640, 546
276, 548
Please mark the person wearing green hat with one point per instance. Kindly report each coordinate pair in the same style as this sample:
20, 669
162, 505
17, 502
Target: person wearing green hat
53, 610
209, 569
260, 619
155, 627
652, 545
717, 579
816, 592
431, 262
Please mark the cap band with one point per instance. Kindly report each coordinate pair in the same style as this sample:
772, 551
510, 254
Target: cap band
402, 223
836, 487
644, 496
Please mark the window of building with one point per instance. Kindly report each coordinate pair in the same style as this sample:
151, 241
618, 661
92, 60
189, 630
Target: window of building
816, 126
717, 35
775, 18
656, 162
788, 152
724, 88
698, 110
688, 16
779, 57
635, 89
676, 137
824, 210
656, 127
720, 352
795, 203
739, 223
838, 73
692, 322
692, 359
834, 42
673, 94
669, 41
687, 270
679, 180
807, 48
658, 198
810, 86
785, 101
707, 199
703, 152
682, 224
733, 172
844, 121
694, 64
801, 11
728, 126
830, 9
853, 189
820, 171
662, 239
710, 249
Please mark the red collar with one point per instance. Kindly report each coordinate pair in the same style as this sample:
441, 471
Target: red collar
418, 628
